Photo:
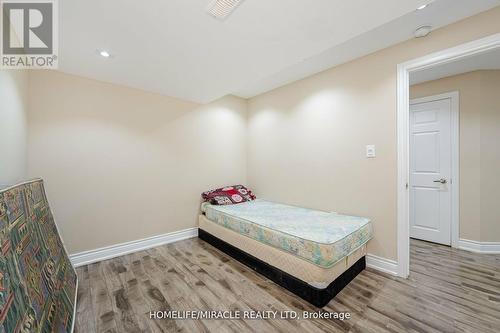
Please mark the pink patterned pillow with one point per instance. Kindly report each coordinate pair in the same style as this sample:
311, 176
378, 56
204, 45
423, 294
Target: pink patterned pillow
228, 195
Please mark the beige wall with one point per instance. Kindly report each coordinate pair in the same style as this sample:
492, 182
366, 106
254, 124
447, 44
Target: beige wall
122, 164
307, 139
490, 157
479, 154
13, 113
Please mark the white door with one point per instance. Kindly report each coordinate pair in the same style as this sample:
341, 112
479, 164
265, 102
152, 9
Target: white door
430, 169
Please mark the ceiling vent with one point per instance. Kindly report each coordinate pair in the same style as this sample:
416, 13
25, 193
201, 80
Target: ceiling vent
221, 9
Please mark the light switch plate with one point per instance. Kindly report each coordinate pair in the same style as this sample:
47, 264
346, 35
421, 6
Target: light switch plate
370, 151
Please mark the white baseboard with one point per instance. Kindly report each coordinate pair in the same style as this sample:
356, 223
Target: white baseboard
479, 247
382, 264
108, 252
88, 257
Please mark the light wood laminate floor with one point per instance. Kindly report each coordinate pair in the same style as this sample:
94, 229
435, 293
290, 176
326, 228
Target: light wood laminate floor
448, 290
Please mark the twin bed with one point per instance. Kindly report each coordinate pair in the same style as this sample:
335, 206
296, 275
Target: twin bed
312, 253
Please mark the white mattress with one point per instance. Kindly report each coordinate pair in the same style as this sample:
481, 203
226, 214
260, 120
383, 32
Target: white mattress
304, 270
322, 238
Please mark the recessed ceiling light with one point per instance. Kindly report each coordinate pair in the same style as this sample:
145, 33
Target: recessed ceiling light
221, 9
422, 31
422, 7
105, 54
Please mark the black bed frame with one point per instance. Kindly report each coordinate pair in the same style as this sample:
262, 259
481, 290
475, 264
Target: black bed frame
315, 296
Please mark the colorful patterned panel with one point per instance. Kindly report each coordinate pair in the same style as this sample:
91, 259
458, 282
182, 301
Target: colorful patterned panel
322, 238
37, 281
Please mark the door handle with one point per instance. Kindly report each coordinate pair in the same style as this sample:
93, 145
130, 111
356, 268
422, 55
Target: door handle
442, 181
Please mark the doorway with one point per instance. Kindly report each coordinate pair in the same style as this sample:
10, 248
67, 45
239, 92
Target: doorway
445, 62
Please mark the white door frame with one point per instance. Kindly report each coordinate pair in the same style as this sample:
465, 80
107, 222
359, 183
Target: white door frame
454, 182
403, 114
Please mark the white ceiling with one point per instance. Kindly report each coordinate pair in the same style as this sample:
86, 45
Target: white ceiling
175, 48
483, 61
